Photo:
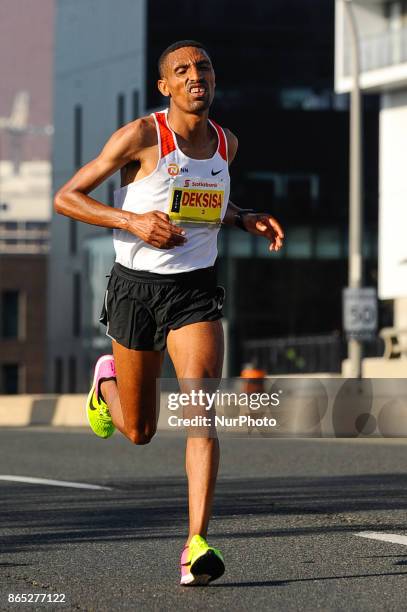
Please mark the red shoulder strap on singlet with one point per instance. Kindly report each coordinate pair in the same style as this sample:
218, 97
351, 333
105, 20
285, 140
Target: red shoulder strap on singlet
166, 137
222, 141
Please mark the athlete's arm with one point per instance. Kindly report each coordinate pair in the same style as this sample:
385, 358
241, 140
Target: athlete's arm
126, 145
260, 224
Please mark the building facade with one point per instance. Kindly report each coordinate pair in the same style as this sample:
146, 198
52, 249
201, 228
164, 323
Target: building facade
26, 55
382, 33
23, 289
99, 86
275, 90
24, 242
274, 71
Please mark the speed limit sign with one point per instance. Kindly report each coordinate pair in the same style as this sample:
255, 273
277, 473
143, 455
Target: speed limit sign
360, 312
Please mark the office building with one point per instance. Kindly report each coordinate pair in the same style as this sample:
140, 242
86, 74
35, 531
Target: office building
274, 67
382, 34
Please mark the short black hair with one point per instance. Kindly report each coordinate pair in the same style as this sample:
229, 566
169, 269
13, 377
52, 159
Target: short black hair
177, 45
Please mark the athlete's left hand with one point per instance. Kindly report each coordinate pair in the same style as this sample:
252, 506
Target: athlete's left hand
262, 224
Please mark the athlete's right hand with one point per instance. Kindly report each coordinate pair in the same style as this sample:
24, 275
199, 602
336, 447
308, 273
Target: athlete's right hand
156, 229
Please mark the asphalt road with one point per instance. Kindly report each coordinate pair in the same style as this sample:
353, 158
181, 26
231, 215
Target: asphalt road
287, 515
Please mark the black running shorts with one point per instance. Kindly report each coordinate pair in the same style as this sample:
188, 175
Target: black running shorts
140, 308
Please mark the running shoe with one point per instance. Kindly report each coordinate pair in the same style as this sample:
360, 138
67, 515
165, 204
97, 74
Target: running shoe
96, 408
200, 563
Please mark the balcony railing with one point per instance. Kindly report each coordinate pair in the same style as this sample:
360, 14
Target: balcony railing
378, 51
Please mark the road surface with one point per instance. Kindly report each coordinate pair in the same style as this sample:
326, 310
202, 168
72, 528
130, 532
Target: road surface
291, 517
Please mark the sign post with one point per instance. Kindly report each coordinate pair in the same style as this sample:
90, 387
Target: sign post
355, 185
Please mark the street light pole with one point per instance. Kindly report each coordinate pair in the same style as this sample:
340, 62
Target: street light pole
355, 271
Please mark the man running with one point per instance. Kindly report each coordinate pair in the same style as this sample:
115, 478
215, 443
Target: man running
162, 290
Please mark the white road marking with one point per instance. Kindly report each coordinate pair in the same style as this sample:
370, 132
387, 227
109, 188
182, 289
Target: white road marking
384, 537
54, 483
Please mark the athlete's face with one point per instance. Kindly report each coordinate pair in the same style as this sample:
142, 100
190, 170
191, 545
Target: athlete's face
188, 79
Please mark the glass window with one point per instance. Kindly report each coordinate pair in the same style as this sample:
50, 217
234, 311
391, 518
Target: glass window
35, 225
329, 243
76, 305
121, 110
110, 194
298, 242
10, 314
294, 97
10, 378
299, 196
77, 136
71, 375
136, 104
73, 236
58, 375
240, 243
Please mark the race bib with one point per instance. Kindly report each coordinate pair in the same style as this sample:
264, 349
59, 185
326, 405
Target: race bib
195, 200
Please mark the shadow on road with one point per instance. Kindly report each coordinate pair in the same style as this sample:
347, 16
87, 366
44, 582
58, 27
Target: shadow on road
276, 583
146, 509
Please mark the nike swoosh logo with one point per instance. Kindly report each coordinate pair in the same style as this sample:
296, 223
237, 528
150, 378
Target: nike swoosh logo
215, 173
93, 406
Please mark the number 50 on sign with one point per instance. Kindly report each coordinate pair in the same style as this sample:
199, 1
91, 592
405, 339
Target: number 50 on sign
360, 312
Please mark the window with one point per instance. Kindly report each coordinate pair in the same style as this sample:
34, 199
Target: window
76, 305
299, 196
71, 375
121, 110
110, 193
10, 378
393, 10
77, 161
58, 375
10, 312
35, 225
299, 243
329, 243
77, 134
73, 236
136, 104
240, 244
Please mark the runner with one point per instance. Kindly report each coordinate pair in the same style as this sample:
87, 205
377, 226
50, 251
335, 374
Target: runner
162, 290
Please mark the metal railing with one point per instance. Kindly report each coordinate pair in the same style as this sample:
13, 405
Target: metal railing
303, 354
381, 50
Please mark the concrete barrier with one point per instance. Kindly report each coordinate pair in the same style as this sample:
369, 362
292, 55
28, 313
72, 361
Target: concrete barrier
26, 410
52, 410
378, 367
333, 407
16, 409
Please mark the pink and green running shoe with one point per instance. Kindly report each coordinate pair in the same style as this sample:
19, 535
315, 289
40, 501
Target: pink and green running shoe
98, 414
200, 563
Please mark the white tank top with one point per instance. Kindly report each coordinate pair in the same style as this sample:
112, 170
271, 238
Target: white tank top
203, 187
